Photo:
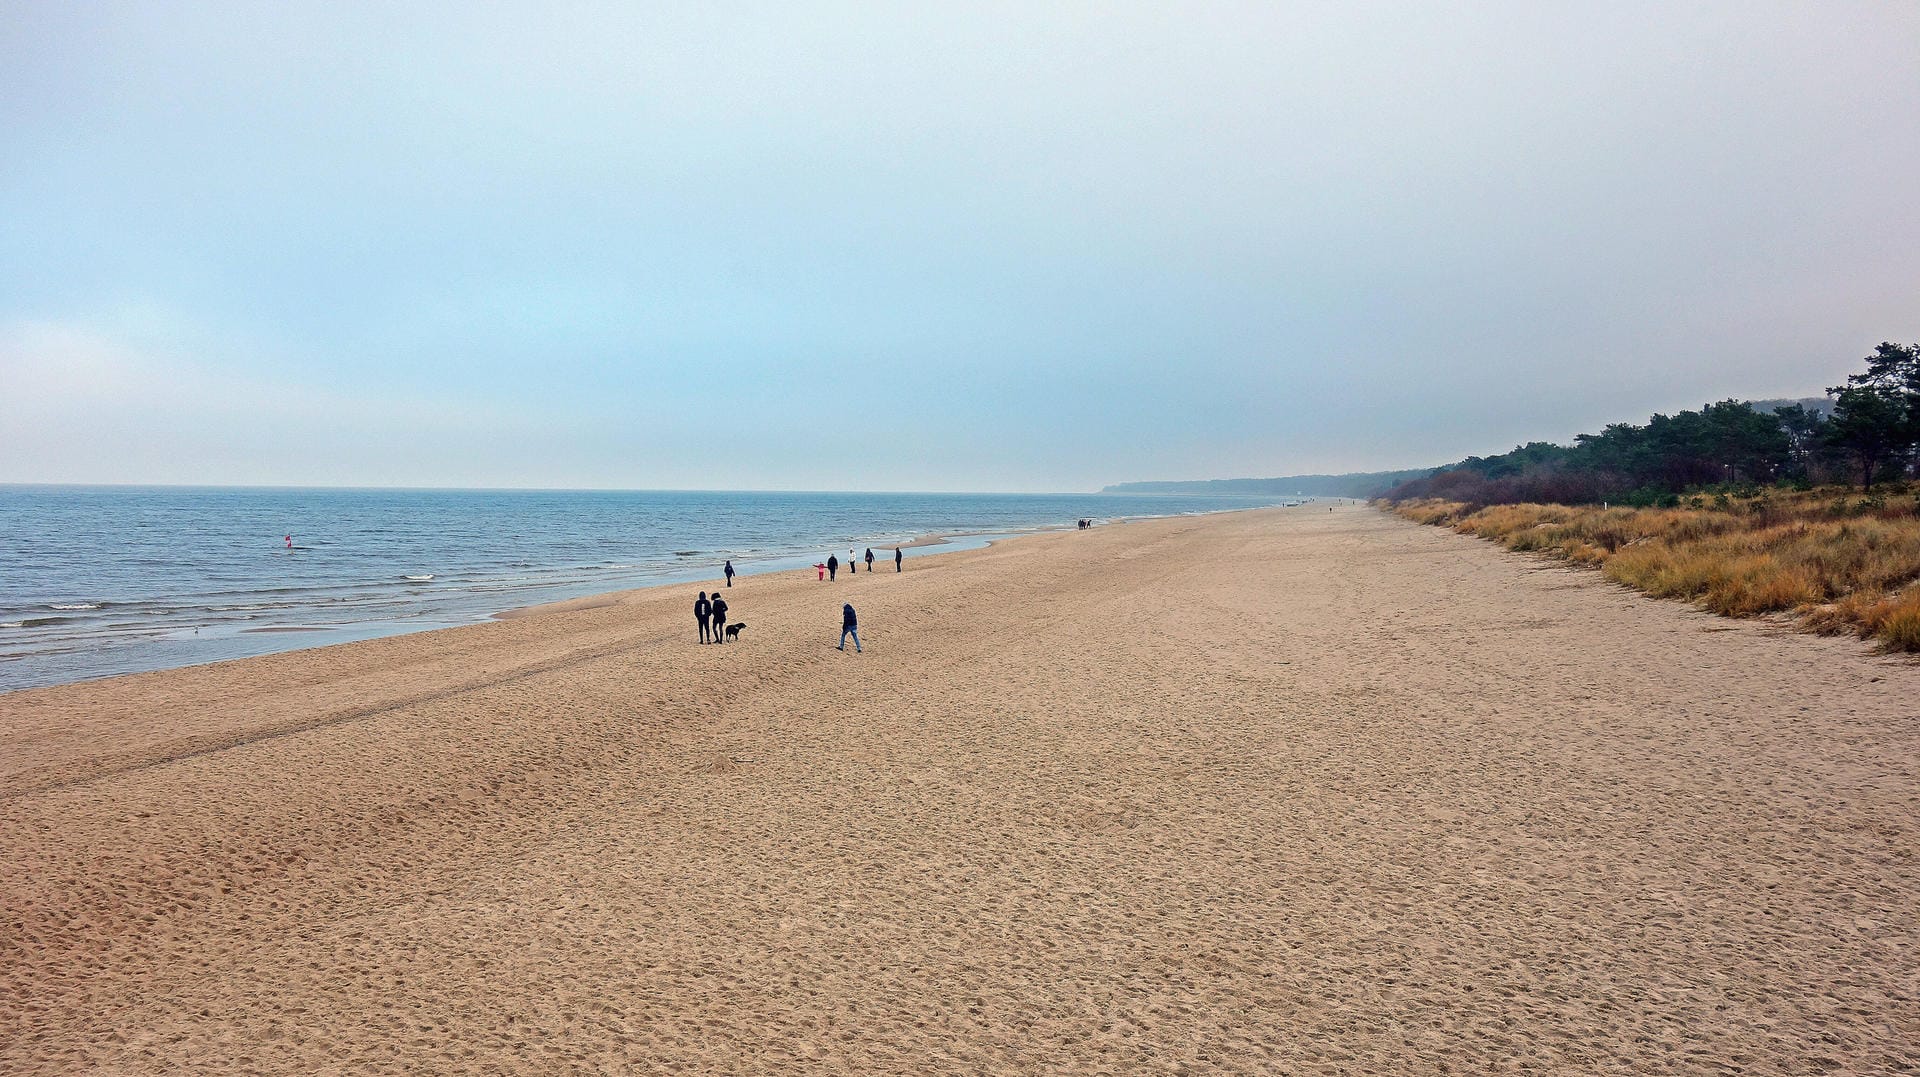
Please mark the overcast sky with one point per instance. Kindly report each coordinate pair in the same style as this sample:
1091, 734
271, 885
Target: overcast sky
926, 247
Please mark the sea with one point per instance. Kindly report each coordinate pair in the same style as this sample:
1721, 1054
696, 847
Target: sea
102, 580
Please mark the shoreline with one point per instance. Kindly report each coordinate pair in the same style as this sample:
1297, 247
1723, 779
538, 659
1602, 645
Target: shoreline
960, 541
320, 663
615, 598
194, 644
1273, 791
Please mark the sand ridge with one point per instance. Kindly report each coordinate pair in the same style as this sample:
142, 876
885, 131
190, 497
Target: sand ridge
1282, 791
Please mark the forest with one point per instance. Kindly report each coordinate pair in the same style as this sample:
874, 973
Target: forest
1872, 435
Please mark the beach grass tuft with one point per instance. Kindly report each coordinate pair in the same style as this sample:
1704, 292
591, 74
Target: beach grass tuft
1837, 563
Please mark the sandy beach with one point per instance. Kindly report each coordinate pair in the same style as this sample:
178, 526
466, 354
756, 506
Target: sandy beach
1288, 791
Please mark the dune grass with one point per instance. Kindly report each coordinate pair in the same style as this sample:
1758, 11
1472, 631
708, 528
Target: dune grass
1836, 561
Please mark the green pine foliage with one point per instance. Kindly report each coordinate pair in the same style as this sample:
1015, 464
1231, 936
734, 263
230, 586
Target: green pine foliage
1873, 434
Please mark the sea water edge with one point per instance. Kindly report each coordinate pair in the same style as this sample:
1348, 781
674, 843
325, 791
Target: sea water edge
102, 580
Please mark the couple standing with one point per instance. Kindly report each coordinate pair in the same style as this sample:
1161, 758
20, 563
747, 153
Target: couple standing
712, 616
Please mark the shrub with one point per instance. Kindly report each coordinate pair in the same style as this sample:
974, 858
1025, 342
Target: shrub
1900, 626
1840, 567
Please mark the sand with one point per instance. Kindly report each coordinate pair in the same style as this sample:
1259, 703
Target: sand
1286, 791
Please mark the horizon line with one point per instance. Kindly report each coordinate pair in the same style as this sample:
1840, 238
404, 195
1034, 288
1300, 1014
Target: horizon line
588, 489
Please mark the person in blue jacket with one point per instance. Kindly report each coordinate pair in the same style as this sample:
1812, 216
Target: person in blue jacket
849, 626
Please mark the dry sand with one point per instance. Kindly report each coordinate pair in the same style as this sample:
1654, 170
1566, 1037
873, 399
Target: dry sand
1277, 792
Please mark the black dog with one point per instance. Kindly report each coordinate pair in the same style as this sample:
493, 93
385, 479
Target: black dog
733, 631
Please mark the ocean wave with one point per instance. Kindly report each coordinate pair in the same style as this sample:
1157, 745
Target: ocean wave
248, 608
189, 570
419, 579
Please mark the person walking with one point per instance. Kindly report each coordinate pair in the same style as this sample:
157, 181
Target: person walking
896, 559
719, 618
833, 565
869, 559
729, 572
702, 610
849, 626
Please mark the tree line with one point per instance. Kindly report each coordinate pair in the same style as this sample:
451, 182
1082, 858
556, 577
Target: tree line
1872, 435
1353, 484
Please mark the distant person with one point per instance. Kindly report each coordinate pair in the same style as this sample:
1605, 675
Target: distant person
729, 572
719, 618
869, 559
833, 565
896, 558
702, 612
849, 626
289, 542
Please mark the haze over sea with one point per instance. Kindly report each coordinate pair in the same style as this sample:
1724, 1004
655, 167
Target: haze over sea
103, 580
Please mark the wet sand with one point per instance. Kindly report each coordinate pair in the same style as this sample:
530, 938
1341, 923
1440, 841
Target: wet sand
1286, 791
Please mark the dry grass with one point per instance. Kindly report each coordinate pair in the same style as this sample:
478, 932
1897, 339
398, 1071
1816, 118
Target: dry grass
1839, 562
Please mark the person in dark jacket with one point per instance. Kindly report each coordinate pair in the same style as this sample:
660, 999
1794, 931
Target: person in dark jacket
729, 572
702, 610
849, 626
869, 559
833, 565
896, 559
719, 618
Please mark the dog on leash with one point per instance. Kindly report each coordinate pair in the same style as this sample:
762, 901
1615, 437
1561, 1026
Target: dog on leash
733, 631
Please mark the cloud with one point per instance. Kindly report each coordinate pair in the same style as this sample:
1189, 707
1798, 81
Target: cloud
1038, 246
87, 404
